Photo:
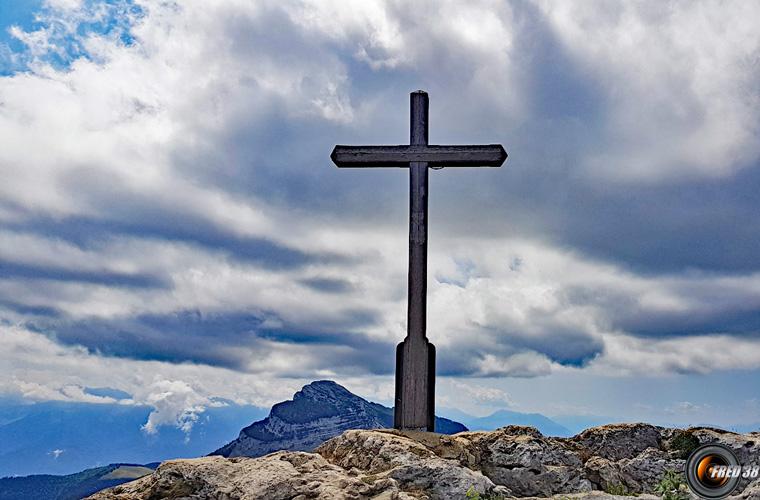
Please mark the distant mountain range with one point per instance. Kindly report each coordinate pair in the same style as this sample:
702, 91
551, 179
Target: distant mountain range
564, 425
559, 426
319, 411
579, 423
72, 486
744, 429
63, 438
547, 426
500, 418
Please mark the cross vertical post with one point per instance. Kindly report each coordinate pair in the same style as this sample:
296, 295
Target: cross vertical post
415, 355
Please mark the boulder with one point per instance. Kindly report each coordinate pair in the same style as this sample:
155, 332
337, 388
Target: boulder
526, 462
414, 464
643, 472
279, 476
603, 473
618, 441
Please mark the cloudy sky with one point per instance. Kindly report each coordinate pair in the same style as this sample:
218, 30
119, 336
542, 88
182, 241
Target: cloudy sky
171, 225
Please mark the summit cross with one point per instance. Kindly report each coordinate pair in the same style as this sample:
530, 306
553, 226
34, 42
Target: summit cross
415, 355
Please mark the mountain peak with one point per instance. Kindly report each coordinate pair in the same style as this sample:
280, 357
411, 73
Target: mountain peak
319, 411
325, 383
324, 389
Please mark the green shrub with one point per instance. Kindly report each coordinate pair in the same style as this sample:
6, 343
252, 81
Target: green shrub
617, 489
684, 443
672, 486
474, 494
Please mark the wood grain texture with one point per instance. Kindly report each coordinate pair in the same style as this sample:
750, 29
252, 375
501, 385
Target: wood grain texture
488, 155
414, 389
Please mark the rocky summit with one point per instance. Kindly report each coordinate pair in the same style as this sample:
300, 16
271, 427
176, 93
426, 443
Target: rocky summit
514, 461
319, 411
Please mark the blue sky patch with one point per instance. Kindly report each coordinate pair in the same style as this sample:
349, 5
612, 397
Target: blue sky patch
106, 18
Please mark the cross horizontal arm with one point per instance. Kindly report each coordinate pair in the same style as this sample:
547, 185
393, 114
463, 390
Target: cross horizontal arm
489, 155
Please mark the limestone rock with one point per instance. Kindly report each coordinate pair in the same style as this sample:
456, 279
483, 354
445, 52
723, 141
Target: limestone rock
413, 464
279, 476
526, 462
603, 473
387, 464
752, 492
643, 472
617, 441
595, 495
746, 447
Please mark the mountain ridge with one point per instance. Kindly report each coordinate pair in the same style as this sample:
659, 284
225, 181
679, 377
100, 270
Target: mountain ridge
72, 486
319, 411
503, 417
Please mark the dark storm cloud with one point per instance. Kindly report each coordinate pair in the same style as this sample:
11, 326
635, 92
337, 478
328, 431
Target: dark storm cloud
717, 310
29, 310
560, 343
698, 225
145, 221
737, 322
219, 339
178, 337
107, 392
14, 270
468, 362
329, 285
545, 336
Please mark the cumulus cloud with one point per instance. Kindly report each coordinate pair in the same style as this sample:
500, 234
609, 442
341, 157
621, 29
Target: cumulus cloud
678, 82
625, 355
175, 402
35, 391
557, 307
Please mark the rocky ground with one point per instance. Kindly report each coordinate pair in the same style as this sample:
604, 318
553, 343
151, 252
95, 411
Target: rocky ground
509, 462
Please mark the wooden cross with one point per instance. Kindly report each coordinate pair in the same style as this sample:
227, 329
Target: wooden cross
415, 356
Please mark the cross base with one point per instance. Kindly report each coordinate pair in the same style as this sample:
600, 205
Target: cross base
415, 385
